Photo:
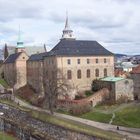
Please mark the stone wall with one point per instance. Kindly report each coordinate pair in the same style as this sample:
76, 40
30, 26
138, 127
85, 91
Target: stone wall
15, 73
136, 79
35, 76
93, 100
124, 88
10, 73
25, 127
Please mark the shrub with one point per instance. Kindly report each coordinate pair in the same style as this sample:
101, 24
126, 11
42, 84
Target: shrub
88, 93
80, 109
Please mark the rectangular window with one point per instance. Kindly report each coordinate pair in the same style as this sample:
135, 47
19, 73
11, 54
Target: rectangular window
78, 61
97, 61
69, 74
68, 62
88, 73
88, 61
105, 60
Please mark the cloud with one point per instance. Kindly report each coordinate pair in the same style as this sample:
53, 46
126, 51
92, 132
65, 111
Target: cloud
115, 23
10, 10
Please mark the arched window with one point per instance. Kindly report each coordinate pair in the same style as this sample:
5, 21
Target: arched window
79, 74
97, 72
69, 74
105, 72
88, 73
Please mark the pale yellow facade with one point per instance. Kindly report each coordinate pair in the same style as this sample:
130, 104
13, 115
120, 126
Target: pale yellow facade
84, 64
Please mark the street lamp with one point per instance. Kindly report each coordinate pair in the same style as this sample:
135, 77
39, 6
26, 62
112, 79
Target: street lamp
1, 114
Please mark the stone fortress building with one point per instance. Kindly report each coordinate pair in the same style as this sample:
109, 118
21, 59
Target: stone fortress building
80, 62
15, 71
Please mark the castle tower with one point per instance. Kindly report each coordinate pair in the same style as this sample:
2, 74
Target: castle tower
20, 45
67, 32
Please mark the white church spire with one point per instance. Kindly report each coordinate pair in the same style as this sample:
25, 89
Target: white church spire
67, 32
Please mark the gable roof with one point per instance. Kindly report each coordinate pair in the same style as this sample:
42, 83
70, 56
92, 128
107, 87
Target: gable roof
79, 48
37, 57
12, 58
136, 70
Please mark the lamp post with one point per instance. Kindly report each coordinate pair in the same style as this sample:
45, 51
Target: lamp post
2, 124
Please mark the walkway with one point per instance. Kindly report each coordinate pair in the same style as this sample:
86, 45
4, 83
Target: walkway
132, 133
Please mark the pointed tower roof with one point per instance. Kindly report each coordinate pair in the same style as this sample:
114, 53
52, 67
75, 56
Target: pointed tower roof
67, 21
67, 32
20, 43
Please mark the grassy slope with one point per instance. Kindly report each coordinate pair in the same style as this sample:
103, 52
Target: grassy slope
97, 116
129, 116
4, 136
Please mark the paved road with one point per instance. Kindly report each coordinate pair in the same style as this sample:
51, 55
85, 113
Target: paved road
132, 133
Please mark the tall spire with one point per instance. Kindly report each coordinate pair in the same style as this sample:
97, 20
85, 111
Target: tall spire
67, 21
67, 32
20, 43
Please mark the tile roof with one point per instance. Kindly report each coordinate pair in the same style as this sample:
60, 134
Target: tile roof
136, 70
79, 48
12, 58
37, 57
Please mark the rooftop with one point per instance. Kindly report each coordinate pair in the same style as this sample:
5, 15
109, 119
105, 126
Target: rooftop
67, 47
37, 57
136, 70
12, 58
112, 79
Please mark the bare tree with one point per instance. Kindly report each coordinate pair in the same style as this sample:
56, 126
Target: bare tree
56, 85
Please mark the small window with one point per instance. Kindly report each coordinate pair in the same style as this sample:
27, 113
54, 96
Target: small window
69, 74
88, 61
105, 60
97, 61
88, 73
105, 72
78, 61
68, 62
97, 72
79, 74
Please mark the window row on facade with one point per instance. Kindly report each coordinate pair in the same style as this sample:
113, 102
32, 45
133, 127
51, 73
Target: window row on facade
88, 73
88, 61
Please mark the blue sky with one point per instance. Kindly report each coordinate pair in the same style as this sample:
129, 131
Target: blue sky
113, 23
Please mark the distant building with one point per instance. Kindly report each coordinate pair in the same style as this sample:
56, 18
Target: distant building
119, 87
135, 75
125, 66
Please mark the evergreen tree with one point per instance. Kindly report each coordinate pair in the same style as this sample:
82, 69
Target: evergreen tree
6, 54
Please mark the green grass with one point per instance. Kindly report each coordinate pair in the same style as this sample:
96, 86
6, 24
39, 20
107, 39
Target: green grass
97, 116
3, 83
4, 136
76, 126
129, 116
